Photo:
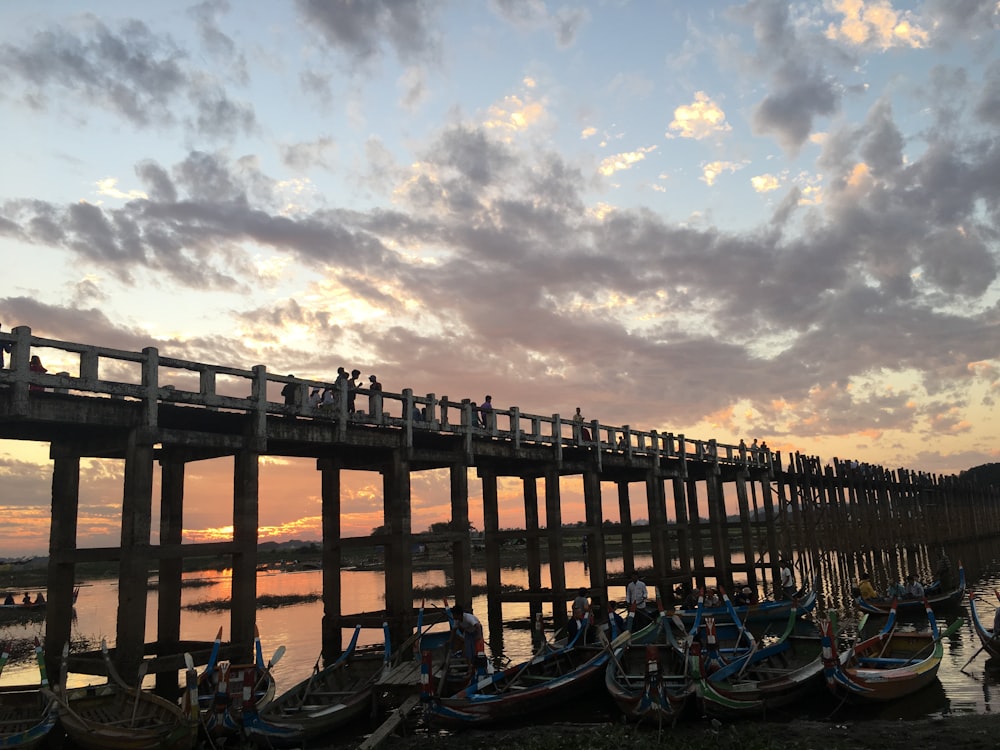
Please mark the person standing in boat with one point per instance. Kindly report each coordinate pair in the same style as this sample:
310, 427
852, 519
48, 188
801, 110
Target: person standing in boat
471, 630
636, 592
9, 601
787, 580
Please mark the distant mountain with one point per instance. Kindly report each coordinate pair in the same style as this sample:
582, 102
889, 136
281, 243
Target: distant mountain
985, 474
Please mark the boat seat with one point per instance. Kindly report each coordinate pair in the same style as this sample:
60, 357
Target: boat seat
885, 661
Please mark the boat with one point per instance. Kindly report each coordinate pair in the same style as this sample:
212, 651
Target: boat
117, 716
557, 673
938, 599
328, 699
221, 694
27, 714
767, 610
891, 664
31, 611
646, 675
987, 635
775, 676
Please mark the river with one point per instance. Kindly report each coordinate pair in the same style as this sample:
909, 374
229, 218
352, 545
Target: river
297, 627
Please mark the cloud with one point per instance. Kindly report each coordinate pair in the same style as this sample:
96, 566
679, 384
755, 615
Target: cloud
611, 164
875, 23
700, 119
361, 30
132, 72
710, 172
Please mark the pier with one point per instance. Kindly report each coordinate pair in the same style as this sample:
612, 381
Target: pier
149, 410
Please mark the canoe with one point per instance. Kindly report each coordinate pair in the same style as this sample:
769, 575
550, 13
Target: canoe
117, 716
987, 635
939, 600
890, 665
221, 685
27, 715
775, 676
764, 611
327, 700
648, 683
553, 676
21, 612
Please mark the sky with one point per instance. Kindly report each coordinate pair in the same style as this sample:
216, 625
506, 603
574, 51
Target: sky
723, 219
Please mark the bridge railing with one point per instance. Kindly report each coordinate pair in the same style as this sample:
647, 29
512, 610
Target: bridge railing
152, 379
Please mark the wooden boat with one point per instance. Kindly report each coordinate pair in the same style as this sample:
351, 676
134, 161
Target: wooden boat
27, 714
647, 679
555, 674
33, 611
775, 676
890, 665
939, 600
327, 700
221, 686
116, 716
764, 611
987, 635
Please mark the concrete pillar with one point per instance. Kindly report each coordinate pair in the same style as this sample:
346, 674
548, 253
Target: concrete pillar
62, 544
246, 512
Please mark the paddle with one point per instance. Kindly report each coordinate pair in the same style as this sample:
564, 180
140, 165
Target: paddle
143, 669
278, 653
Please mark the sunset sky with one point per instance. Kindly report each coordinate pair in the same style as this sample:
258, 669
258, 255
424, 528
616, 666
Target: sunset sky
760, 219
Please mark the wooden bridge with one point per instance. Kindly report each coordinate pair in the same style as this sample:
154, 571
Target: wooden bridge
145, 408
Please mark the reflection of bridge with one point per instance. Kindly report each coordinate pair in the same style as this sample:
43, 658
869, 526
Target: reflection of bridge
143, 408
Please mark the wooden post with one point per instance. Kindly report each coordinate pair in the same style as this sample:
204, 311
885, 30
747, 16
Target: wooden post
597, 555
62, 546
398, 556
331, 629
532, 546
168, 596
557, 564
246, 511
491, 525
461, 551
133, 570
628, 539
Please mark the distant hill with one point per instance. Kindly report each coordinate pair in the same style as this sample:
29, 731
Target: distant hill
985, 474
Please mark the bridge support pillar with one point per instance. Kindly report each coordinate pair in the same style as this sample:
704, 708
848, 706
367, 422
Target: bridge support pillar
461, 549
398, 554
246, 489
168, 608
597, 557
62, 544
533, 548
557, 565
331, 632
133, 570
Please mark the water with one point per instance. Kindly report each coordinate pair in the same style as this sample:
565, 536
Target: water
297, 627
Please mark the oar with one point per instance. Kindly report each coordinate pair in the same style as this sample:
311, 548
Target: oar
950, 629
278, 653
143, 668
978, 652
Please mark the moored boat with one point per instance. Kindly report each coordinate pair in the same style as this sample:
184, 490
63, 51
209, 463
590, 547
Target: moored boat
328, 699
27, 713
116, 716
987, 635
765, 611
776, 675
222, 685
555, 674
939, 600
891, 664
24, 611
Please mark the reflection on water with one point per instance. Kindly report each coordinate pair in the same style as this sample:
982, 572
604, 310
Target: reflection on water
297, 627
